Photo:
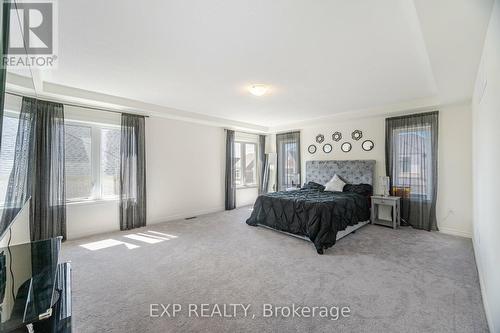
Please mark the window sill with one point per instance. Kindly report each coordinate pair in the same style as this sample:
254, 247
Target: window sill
91, 202
243, 187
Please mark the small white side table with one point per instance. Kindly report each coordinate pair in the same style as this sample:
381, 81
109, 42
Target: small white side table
394, 202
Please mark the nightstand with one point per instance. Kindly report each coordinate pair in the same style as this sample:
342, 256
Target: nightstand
394, 202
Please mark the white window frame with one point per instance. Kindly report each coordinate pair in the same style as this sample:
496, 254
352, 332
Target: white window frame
243, 163
95, 161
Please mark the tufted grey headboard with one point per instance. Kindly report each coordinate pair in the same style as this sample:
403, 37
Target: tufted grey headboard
353, 172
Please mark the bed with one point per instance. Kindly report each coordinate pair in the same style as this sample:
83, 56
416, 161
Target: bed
319, 216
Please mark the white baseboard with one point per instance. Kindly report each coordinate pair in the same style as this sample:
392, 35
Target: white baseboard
115, 226
180, 216
482, 286
455, 232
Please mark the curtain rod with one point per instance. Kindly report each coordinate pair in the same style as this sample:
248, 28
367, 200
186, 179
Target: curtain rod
412, 115
76, 105
243, 132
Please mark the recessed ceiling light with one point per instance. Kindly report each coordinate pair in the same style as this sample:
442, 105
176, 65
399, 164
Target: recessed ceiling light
258, 89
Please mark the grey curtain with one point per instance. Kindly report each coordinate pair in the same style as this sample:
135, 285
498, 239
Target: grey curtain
49, 191
230, 201
264, 163
288, 160
38, 169
411, 148
132, 172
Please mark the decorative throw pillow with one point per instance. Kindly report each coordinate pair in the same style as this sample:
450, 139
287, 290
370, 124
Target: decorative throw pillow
335, 184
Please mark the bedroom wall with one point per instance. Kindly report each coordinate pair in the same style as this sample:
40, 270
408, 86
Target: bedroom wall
373, 129
454, 208
486, 178
185, 170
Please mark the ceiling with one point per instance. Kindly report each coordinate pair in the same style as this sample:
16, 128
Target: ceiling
321, 57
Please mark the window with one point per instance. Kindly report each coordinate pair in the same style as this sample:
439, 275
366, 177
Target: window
245, 163
92, 161
405, 163
78, 163
414, 168
291, 170
9, 132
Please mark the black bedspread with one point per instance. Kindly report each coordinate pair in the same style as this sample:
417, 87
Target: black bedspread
313, 213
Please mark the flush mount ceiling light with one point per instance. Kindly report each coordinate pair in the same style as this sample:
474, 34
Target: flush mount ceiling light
258, 89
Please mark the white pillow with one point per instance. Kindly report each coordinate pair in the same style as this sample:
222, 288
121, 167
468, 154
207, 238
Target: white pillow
335, 184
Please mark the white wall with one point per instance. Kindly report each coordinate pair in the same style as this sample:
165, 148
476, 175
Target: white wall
454, 201
185, 169
184, 172
90, 218
373, 129
19, 230
17, 233
454, 208
246, 196
486, 167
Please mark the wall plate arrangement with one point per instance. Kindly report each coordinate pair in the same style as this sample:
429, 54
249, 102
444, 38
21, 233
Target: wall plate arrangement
346, 147
337, 136
320, 138
327, 148
367, 145
311, 149
357, 134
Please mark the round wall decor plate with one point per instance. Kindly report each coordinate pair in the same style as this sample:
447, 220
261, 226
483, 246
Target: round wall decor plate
327, 148
346, 147
311, 149
320, 138
367, 145
357, 134
337, 136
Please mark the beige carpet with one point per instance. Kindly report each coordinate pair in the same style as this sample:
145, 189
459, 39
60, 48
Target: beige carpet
392, 280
